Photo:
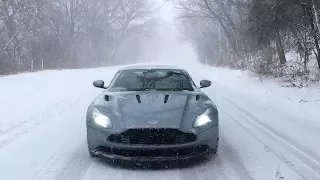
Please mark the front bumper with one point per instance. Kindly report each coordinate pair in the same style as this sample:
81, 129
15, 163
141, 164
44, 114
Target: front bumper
99, 145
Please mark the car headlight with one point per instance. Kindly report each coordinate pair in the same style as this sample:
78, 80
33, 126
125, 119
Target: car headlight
101, 119
203, 119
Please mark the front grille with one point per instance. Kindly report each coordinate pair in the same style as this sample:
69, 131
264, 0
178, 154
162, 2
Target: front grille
153, 137
198, 150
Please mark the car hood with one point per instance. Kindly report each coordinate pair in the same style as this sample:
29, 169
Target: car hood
152, 109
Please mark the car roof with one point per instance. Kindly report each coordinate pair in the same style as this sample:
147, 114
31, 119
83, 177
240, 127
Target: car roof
151, 67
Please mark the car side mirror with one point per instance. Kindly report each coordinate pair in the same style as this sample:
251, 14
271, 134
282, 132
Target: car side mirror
205, 83
99, 84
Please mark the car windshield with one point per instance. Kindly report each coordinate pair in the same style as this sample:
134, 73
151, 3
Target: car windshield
156, 79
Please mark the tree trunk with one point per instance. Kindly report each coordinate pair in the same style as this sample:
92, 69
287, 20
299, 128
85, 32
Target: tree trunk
280, 50
316, 14
314, 35
226, 31
318, 57
220, 43
115, 52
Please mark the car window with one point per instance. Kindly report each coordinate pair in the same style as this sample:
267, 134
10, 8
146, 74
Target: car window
139, 80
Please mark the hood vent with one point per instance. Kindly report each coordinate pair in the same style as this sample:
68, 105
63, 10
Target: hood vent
138, 98
106, 97
166, 98
197, 97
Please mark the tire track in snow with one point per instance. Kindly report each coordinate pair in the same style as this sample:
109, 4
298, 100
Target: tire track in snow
233, 160
269, 109
55, 134
77, 165
225, 165
267, 149
51, 162
284, 115
100, 168
9, 136
306, 160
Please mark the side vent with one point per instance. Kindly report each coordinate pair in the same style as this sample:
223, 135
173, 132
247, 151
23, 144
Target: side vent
106, 97
166, 98
138, 98
197, 97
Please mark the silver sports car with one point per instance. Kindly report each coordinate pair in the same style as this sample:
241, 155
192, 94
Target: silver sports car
152, 113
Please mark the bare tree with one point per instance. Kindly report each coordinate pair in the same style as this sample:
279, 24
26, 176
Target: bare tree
129, 17
259, 32
37, 34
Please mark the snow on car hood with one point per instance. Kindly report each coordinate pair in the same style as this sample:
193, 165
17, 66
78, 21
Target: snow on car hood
152, 109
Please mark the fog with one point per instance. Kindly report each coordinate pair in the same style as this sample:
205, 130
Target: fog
72, 34
168, 44
68, 34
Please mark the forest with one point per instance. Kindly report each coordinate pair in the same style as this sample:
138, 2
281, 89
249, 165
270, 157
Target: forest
278, 38
44, 34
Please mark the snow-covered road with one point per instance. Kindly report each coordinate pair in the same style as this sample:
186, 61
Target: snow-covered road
43, 136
